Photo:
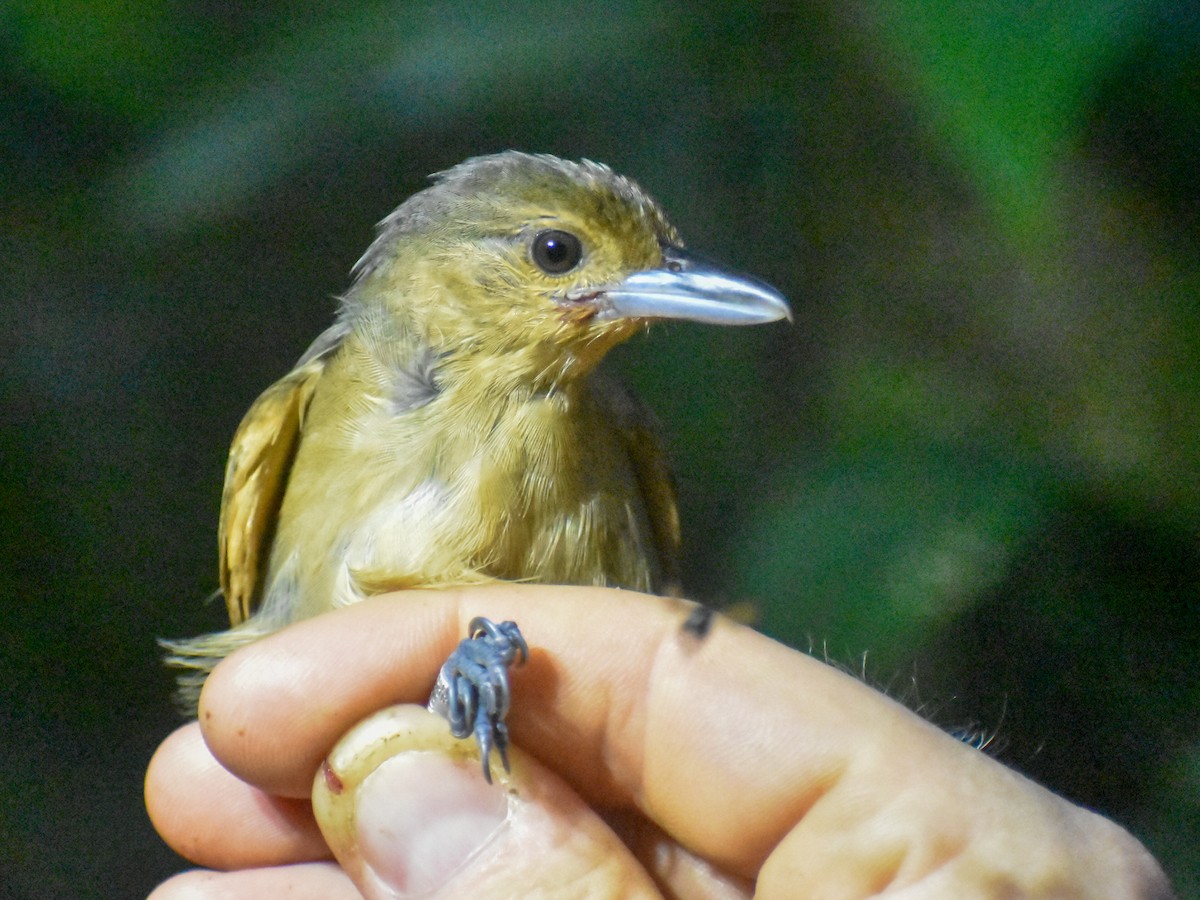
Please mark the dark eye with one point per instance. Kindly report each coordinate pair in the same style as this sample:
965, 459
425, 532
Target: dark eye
556, 252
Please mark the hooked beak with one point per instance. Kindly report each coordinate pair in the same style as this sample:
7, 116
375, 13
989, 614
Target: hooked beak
688, 287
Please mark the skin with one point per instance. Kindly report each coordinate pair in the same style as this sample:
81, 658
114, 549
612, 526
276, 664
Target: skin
725, 765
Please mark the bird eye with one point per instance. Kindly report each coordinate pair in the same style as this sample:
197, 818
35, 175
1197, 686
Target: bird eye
556, 252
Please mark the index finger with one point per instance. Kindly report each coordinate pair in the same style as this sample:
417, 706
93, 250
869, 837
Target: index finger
724, 740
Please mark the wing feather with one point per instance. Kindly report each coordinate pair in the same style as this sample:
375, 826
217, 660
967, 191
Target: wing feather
642, 437
256, 476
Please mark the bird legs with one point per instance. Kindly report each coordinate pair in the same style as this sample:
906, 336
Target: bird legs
472, 690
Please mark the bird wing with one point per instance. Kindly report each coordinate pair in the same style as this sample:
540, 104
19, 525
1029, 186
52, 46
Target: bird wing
641, 436
256, 475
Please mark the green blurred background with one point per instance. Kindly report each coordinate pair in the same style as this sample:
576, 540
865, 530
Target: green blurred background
969, 471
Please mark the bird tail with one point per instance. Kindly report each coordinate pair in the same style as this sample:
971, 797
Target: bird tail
196, 657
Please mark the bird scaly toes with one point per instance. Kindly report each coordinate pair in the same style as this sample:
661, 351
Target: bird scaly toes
472, 691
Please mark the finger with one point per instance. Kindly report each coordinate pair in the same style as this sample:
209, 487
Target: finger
407, 812
676, 870
725, 741
215, 819
311, 881
272, 710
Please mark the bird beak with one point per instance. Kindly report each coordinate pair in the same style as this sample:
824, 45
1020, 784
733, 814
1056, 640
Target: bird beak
688, 287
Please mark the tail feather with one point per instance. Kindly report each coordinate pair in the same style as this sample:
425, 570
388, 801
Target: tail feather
196, 657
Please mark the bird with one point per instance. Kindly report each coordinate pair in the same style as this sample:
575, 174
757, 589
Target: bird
452, 426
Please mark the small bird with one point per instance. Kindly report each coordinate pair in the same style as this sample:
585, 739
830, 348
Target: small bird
451, 427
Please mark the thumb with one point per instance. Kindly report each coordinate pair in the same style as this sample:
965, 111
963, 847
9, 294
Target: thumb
406, 811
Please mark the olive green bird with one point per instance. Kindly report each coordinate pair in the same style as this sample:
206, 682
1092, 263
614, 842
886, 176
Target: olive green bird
451, 427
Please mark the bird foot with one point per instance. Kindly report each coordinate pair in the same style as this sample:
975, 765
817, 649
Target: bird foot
472, 691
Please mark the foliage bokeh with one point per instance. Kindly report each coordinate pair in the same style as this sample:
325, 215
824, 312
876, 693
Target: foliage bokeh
970, 470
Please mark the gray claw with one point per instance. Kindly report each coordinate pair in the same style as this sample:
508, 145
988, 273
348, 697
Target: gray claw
472, 690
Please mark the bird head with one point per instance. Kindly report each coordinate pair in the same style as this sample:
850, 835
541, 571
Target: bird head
540, 266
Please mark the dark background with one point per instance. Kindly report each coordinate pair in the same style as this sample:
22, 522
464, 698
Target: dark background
970, 470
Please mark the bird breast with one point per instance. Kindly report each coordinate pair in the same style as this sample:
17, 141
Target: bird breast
458, 491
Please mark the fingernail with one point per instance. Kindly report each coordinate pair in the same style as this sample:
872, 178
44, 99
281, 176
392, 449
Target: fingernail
420, 817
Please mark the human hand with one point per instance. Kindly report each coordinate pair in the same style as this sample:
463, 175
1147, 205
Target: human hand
727, 764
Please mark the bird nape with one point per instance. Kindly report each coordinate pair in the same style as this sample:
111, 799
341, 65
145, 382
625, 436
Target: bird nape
451, 428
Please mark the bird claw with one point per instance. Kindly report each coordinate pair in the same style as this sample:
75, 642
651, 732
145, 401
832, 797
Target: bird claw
472, 691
